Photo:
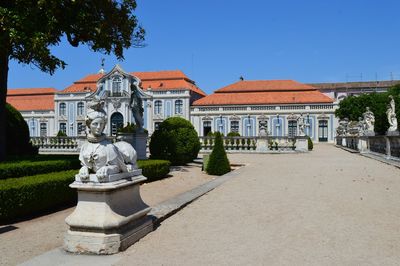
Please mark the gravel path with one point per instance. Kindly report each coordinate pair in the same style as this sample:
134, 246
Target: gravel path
22, 241
327, 207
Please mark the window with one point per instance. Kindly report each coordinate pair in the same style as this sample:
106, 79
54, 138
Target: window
43, 129
117, 86
234, 126
63, 109
292, 128
323, 130
157, 107
178, 107
81, 129
80, 108
206, 127
63, 128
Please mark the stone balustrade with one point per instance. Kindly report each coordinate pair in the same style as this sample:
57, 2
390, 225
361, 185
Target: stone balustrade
385, 146
249, 144
59, 145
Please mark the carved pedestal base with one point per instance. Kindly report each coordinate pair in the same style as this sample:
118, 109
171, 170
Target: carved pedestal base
140, 144
108, 218
392, 133
262, 145
302, 144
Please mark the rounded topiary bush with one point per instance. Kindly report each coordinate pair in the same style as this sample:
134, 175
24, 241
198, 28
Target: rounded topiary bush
175, 140
218, 163
17, 134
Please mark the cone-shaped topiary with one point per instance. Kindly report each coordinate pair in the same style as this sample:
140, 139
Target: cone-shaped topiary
310, 144
17, 134
175, 140
218, 163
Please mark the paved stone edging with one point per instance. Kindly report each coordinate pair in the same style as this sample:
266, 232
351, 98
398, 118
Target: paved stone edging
169, 207
159, 213
376, 157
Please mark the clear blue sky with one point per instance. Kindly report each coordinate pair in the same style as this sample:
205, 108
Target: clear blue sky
215, 42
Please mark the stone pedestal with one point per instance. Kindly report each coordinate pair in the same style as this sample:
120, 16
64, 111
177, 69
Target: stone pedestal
392, 133
369, 133
108, 218
363, 145
302, 144
262, 145
140, 144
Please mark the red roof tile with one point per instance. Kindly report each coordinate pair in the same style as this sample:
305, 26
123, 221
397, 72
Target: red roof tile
158, 80
35, 99
264, 92
265, 85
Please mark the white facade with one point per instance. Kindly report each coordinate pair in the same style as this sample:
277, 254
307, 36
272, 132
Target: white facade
281, 120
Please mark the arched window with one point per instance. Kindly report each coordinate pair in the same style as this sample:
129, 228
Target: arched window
178, 107
157, 107
117, 86
117, 121
80, 108
63, 109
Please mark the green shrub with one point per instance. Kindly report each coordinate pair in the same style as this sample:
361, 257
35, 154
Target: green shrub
218, 163
233, 134
17, 134
154, 169
129, 128
310, 144
61, 134
176, 140
25, 168
31, 194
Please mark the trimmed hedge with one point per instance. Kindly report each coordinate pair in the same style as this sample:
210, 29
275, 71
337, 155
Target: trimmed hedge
26, 168
154, 169
175, 140
218, 163
31, 194
17, 133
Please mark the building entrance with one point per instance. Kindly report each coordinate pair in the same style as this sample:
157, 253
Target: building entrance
323, 130
117, 121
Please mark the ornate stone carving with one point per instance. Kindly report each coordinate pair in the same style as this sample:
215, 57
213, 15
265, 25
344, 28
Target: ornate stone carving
99, 157
302, 125
391, 115
369, 121
116, 103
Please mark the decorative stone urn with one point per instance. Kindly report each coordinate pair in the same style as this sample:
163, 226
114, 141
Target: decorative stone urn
110, 214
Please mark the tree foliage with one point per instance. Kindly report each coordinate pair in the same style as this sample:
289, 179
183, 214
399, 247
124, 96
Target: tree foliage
353, 107
175, 140
218, 163
18, 141
29, 29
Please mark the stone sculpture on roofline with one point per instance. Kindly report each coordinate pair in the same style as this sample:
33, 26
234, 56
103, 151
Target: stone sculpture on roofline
110, 214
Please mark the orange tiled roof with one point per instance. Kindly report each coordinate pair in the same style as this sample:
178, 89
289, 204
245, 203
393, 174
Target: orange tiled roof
264, 92
157, 80
266, 85
34, 99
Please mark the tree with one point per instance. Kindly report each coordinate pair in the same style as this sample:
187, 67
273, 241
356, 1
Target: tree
353, 107
28, 29
175, 140
218, 163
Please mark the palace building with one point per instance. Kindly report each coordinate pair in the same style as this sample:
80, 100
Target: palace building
242, 107
248, 105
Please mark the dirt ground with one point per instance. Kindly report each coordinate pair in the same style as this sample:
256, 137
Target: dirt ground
24, 240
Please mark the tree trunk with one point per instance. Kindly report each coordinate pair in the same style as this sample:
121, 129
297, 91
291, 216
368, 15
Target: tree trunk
4, 60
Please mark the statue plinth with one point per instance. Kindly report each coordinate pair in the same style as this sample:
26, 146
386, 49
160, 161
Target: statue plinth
369, 133
110, 178
302, 144
393, 133
109, 217
138, 140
